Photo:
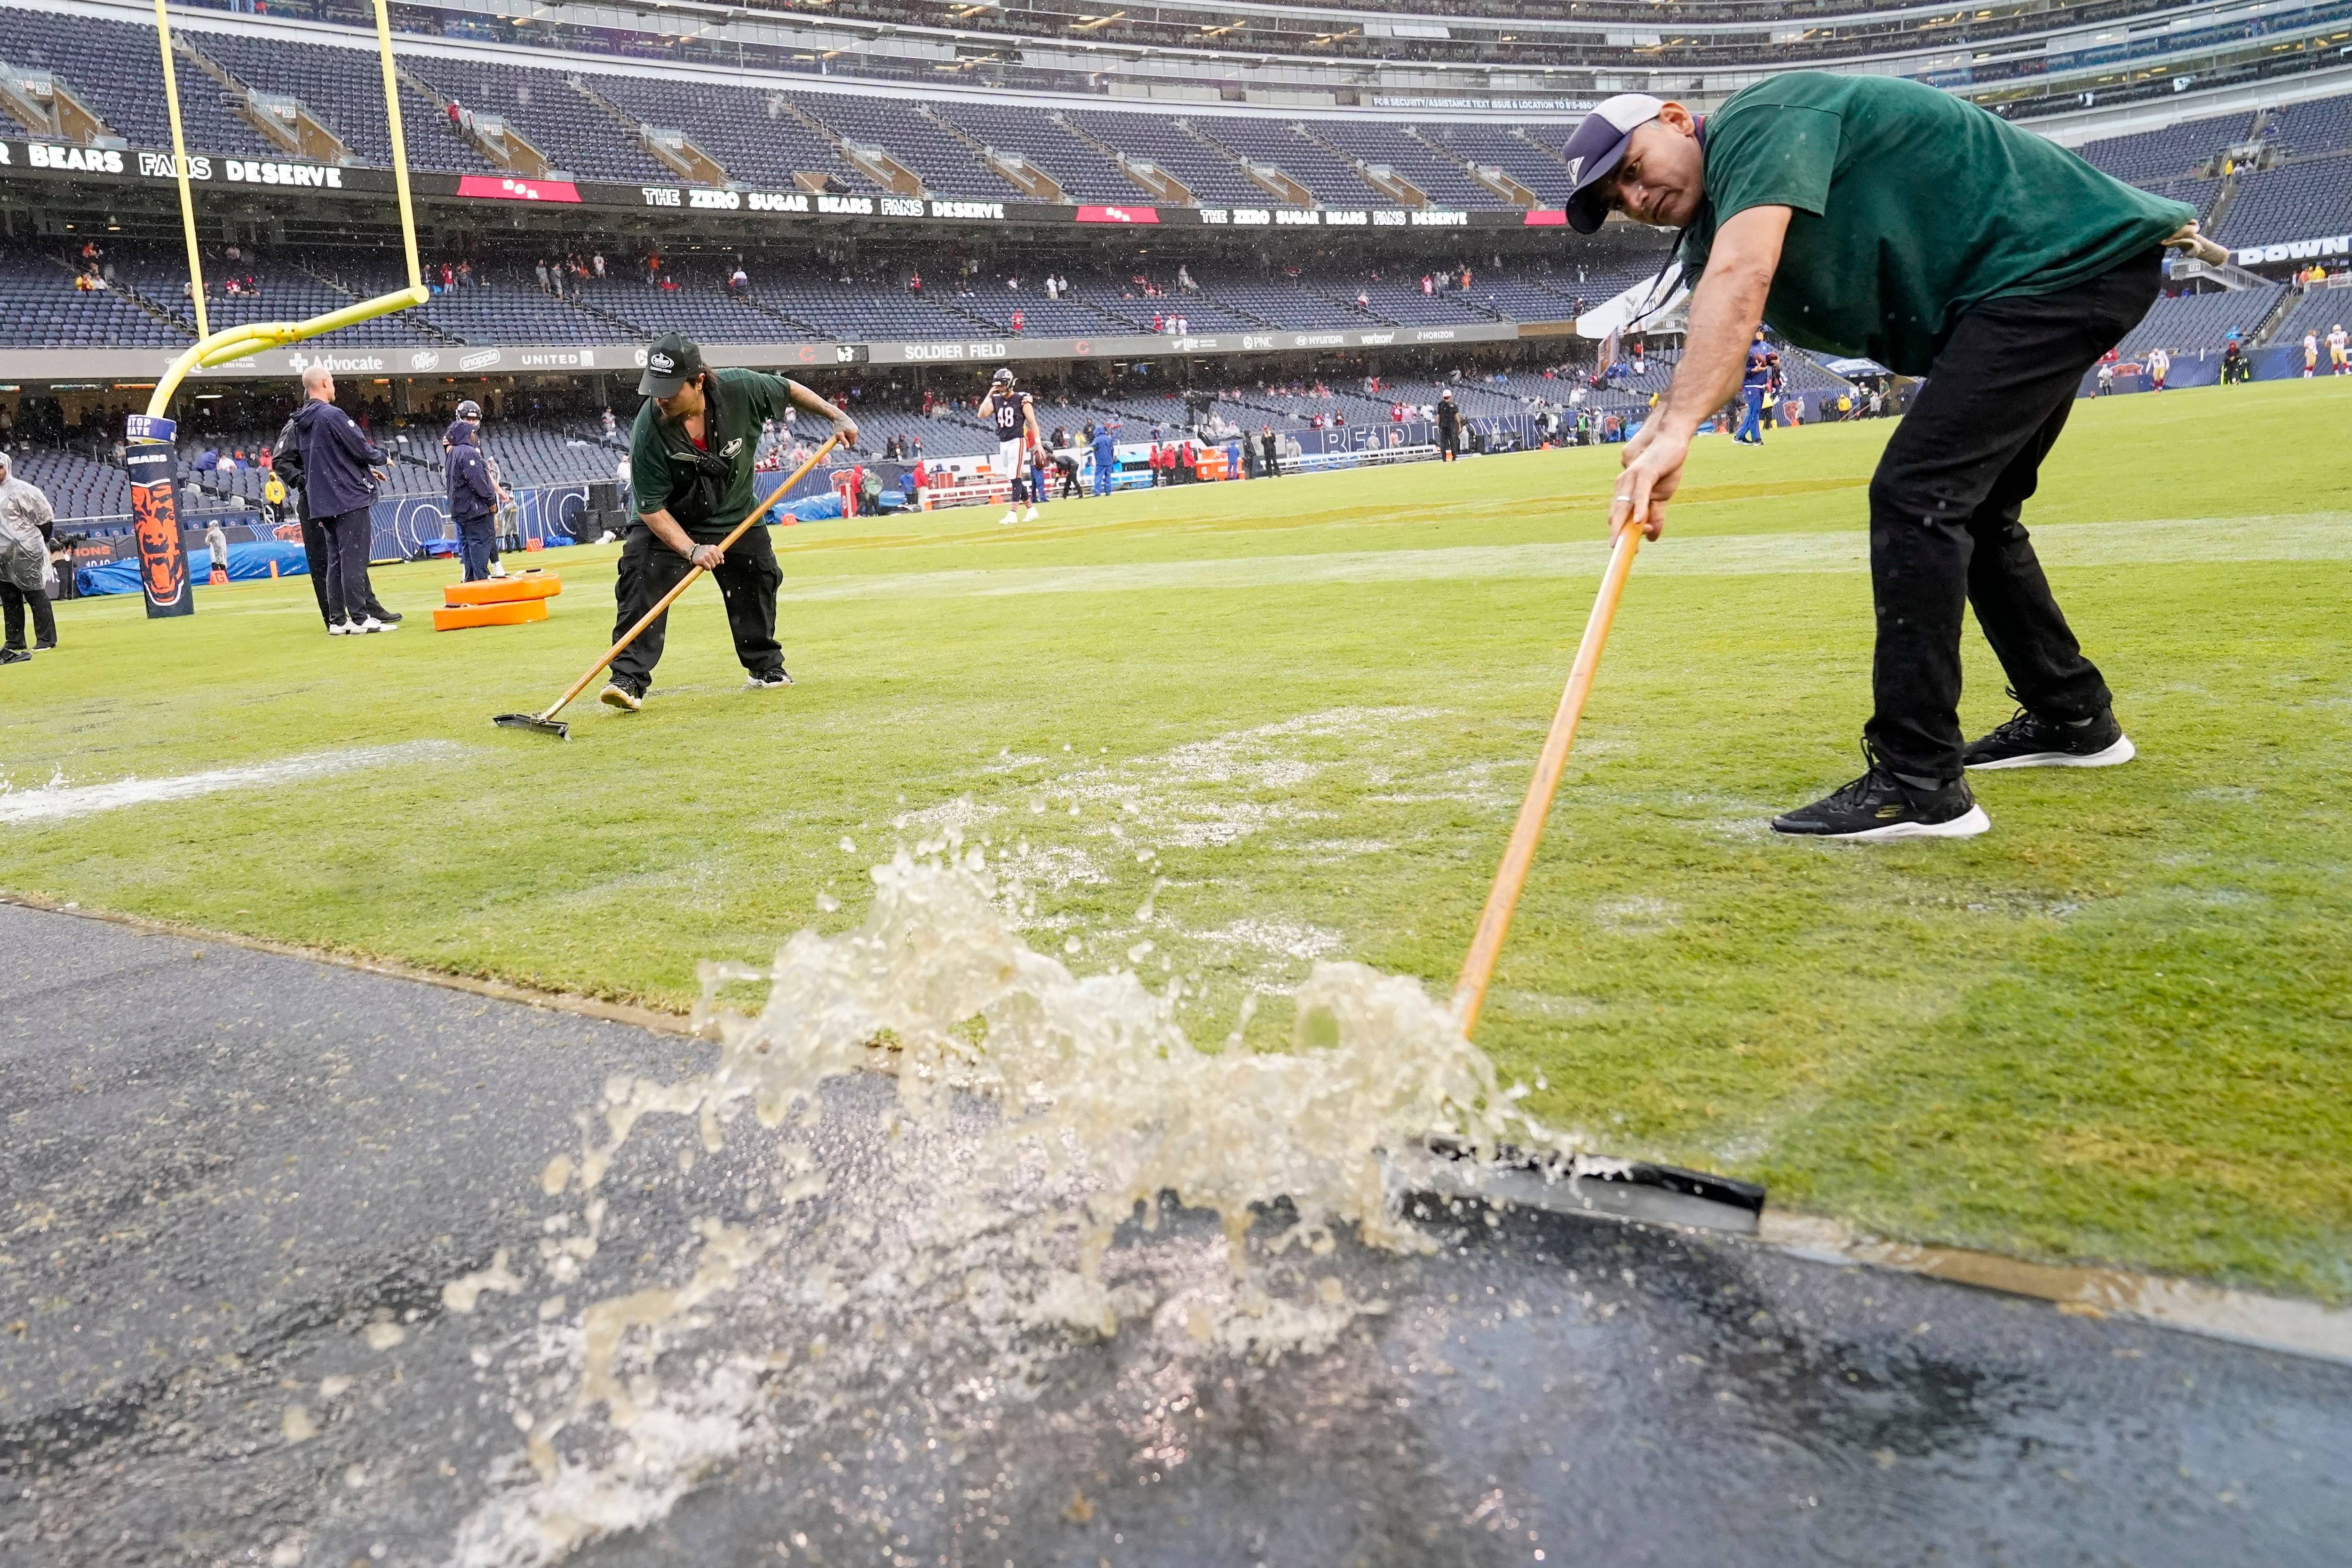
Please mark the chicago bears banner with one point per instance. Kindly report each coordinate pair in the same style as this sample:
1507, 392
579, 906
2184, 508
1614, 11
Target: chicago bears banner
156, 522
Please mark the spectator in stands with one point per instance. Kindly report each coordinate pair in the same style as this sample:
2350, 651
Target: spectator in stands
596, 263
473, 496
340, 470
26, 526
915, 286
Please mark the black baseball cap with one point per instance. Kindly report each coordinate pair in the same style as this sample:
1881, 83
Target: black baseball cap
1597, 148
673, 360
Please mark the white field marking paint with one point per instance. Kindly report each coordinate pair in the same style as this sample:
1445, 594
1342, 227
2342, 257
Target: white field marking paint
2303, 536
57, 801
967, 1253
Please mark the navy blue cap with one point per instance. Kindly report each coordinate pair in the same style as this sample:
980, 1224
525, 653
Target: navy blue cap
1596, 149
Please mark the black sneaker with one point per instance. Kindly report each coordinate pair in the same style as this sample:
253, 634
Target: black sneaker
771, 681
15, 656
2029, 740
389, 617
1878, 807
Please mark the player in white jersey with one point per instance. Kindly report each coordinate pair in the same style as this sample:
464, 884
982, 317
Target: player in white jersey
2339, 352
1015, 421
2310, 355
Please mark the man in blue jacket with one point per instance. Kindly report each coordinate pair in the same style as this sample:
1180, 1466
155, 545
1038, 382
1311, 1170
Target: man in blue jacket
1106, 448
340, 469
474, 495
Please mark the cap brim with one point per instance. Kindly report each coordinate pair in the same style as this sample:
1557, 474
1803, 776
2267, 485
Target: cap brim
652, 385
1588, 204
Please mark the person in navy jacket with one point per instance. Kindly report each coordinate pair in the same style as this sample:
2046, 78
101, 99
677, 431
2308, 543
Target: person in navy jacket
340, 470
474, 494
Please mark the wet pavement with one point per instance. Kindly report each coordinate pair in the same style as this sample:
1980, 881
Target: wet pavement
234, 1184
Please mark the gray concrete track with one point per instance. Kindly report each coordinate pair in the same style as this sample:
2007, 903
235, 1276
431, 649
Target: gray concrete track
229, 1176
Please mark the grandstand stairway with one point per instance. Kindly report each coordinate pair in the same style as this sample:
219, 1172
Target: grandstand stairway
674, 149
46, 106
1155, 181
1012, 167
871, 159
337, 285
494, 136
1383, 178
277, 118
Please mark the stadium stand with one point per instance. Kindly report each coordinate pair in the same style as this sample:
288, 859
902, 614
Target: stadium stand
2307, 130
1083, 171
1438, 177
41, 308
323, 78
2293, 201
947, 163
2189, 323
1331, 179
756, 136
2173, 150
572, 133
112, 69
2315, 311
1206, 171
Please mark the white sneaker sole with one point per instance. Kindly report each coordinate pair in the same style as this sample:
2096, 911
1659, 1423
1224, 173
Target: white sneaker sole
2115, 756
1965, 827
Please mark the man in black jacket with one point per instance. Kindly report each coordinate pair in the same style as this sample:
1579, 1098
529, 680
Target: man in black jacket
474, 492
1449, 427
286, 459
340, 469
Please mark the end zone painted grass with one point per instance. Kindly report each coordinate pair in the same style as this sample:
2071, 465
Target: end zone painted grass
2119, 1027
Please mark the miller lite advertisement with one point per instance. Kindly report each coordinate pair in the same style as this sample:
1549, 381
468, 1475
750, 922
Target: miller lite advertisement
155, 519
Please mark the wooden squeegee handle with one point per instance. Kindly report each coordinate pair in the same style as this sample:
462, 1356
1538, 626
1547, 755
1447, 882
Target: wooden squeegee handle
661, 609
1502, 898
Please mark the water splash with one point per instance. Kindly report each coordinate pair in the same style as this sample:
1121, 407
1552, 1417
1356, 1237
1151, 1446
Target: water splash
1093, 1103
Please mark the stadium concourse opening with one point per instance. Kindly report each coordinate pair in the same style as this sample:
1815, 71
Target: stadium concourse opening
987, 1091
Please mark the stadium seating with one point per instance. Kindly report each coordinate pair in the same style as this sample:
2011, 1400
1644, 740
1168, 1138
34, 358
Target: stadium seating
2308, 130
1445, 181
755, 135
1208, 172
2315, 311
40, 307
2173, 150
1083, 171
2293, 201
1283, 144
342, 88
571, 131
1495, 147
2192, 323
112, 66
947, 164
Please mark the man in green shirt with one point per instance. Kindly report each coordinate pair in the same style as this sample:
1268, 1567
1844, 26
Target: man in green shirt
1873, 216
690, 468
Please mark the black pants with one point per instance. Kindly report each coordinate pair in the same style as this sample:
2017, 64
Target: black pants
1944, 510
13, 601
748, 580
477, 545
349, 538
316, 553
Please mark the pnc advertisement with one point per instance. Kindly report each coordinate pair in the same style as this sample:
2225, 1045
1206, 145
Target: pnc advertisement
155, 519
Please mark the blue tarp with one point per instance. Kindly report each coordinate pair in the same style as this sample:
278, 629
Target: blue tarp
247, 564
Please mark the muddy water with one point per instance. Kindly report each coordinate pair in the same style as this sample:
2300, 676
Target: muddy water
1091, 1104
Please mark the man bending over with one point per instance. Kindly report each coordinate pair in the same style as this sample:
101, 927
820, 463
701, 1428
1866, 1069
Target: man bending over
1871, 217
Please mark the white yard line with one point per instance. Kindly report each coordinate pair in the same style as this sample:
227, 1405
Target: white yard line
57, 802
2303, 536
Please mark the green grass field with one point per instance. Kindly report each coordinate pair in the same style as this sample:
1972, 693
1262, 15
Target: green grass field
2118, 1027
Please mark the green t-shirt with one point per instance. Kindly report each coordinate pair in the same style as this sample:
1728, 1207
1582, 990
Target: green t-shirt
662, 469
1910, 207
